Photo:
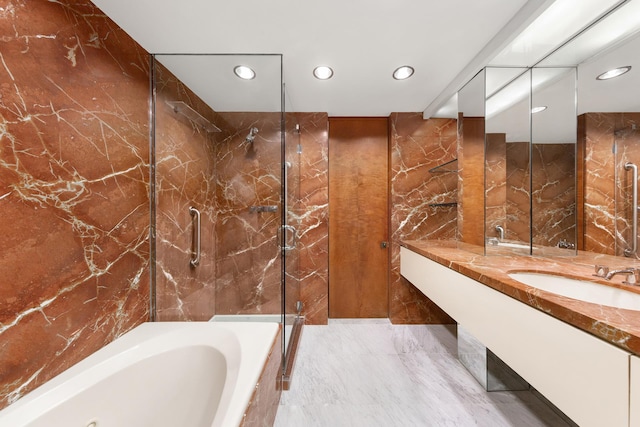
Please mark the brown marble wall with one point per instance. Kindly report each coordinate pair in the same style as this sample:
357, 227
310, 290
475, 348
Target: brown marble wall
184, 178
604, 184
248, 178
74, 188
496, 183
553, 193
420, 203
471, 181
518, 190
312, 214
263, 406
553, 200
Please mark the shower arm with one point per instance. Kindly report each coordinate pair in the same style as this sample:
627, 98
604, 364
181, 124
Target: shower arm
634, 236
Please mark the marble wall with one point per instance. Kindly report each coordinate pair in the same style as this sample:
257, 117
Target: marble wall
311, 214
471, 164
74, 188
496, 184
419, 207
604, 211
263, 406
552, 189
422, 203
553, 194
185, 160
249, 209
518, 227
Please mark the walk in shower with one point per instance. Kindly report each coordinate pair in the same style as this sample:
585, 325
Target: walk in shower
225, 182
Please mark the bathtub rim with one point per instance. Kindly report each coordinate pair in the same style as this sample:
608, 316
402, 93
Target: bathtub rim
256, 341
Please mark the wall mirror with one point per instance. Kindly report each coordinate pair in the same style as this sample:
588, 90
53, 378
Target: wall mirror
562, 146
470, 164
608, 114
507, 160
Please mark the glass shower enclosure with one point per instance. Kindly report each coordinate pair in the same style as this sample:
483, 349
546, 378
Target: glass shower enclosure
224, 177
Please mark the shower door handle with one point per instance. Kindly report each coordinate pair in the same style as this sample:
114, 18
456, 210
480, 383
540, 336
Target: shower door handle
195, 215
634, 209
286, 246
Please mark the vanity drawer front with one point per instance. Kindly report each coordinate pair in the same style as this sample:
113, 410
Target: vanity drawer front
587, 378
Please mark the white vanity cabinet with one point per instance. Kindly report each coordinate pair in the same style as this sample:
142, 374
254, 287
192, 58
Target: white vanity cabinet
634, 397
584, 376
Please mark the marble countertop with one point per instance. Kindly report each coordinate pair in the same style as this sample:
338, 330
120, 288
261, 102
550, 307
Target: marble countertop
620, 327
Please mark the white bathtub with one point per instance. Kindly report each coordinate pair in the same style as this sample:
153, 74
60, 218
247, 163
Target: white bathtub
189, 374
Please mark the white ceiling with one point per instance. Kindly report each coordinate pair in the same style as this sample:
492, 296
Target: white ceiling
362, 40
447, 42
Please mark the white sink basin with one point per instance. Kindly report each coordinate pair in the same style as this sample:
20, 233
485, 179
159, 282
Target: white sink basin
581, 290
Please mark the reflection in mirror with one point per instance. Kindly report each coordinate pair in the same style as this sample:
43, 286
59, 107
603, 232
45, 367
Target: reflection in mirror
507, 189
471, 112
608, 139
553, 179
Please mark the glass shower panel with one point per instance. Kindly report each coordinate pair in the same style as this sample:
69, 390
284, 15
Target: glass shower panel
291, 226
183, 165
627, 160
218, 175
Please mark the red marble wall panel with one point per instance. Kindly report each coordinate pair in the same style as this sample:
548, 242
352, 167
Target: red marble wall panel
292, 217
518, 190
604, 196
627, 139
552, 190
184, 178
74, 188
495, 183
248, 177
471, 181
553, 194
263, 405
419, 208
312, 210
599, 184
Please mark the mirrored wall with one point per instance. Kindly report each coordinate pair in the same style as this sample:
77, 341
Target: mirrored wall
561, 146
516, 157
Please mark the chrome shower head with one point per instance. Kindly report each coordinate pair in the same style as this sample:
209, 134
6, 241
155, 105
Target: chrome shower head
252, 135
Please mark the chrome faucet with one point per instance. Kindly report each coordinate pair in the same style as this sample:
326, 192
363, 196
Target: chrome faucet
633, 275
500, 231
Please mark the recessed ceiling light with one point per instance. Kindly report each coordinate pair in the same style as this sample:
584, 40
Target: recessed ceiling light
614, 73
538, 109
244, 72
323, 72
403, 72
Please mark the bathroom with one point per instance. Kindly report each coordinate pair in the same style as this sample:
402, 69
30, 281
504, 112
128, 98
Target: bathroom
78, 258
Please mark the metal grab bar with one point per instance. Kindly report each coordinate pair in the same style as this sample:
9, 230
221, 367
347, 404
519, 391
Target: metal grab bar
195, 259
634, 237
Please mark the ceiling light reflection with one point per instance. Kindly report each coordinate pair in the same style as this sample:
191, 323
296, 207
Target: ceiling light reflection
616, 72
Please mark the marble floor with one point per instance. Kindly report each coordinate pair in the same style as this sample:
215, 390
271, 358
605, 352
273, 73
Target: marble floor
371, 373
